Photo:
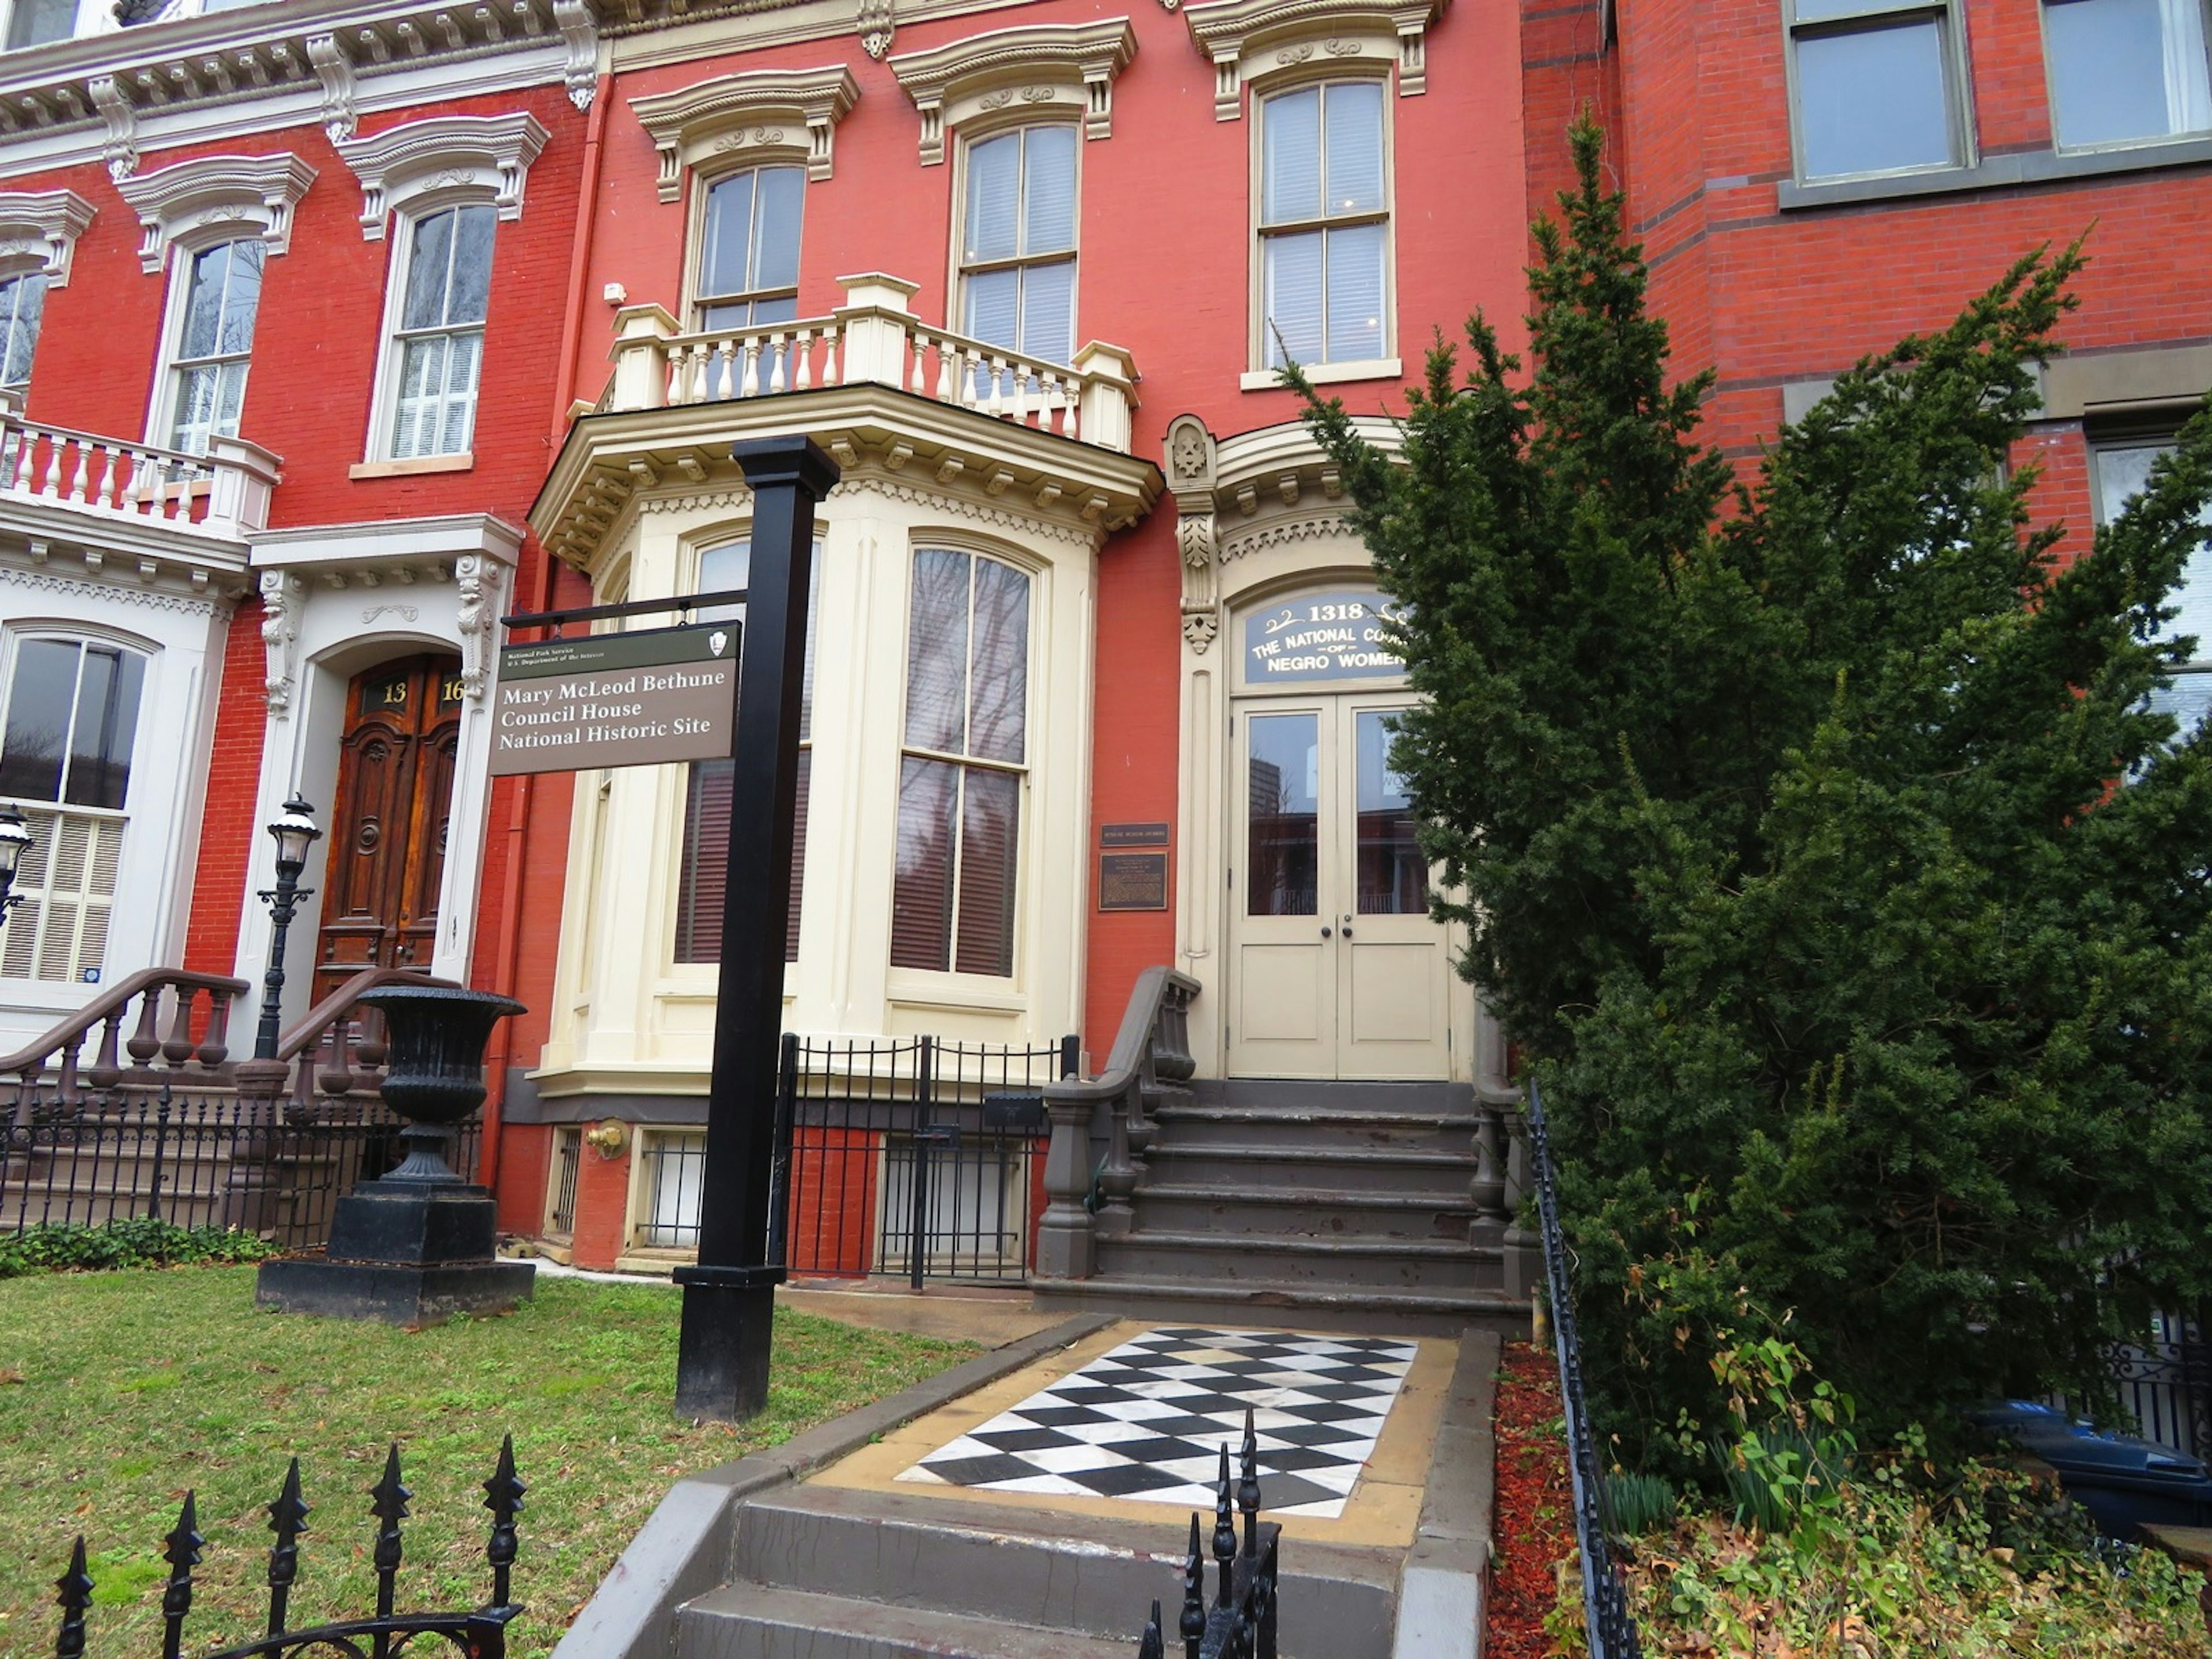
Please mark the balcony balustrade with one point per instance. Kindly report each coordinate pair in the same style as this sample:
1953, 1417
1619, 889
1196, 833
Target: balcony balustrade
872, 338
221, 494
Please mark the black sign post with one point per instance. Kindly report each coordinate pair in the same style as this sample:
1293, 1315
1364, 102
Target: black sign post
729, 1296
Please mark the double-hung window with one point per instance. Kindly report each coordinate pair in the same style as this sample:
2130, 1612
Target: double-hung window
2126, 71
749, 248
961, 775
437, 345
22, 301
215, 343
1878, 87
2123, 473
708, 797
70, 724
1324, 226
1017, 242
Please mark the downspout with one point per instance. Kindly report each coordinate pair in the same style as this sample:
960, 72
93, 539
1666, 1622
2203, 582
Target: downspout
507, 962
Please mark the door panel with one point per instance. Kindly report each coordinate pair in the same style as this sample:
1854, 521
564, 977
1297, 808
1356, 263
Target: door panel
1336, 970
387, 856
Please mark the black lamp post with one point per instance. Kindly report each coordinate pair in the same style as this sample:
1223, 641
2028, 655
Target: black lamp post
294, 831
14, 842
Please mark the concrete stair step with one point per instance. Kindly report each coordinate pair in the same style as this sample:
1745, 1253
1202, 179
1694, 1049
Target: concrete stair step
1410, 1173
1402, 1264
923, 1555
1361, 1310
754, 1621
1298, 1126
1307, 1093
1312, 1212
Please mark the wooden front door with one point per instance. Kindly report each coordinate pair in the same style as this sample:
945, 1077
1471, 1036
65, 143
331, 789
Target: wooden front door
388, 824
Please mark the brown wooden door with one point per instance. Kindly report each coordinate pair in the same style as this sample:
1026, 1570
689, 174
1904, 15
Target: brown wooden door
388, 825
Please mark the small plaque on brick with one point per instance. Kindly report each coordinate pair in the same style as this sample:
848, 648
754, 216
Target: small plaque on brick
1132, 881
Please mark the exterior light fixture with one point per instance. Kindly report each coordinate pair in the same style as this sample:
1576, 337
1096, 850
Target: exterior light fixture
294, 831
14, 842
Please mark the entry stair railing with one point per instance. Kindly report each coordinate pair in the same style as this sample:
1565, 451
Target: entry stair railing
134, 1108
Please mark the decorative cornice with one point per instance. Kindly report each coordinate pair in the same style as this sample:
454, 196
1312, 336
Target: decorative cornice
1036, 526
1237, 34
188, 604
476, 157
337, 51
750, 110
229, 191
1282, 532
1078, 60
43, 225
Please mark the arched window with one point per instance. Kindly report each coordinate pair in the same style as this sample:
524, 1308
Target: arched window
965, 761
66, 737
438, 331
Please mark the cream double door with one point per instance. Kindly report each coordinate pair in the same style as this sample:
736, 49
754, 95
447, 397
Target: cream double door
1336, 970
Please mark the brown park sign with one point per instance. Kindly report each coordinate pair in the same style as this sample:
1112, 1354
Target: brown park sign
669, 694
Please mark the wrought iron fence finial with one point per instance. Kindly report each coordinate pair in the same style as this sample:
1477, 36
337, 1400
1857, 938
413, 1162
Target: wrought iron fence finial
76, 1588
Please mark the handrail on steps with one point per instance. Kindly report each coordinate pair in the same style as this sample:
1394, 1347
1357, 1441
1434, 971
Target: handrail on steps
1150, 1059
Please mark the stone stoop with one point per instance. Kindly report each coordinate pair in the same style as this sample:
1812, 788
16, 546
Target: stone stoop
823, 1572
1336, 1206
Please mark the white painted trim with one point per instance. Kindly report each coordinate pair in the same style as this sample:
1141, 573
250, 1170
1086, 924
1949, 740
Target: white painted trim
748, 119
1371, 369
419, 166
1064, 64
38, 230
1255, 39
211, 197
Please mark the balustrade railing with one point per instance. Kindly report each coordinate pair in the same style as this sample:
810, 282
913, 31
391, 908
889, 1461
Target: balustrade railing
873, 337
223, 493
1150, 1065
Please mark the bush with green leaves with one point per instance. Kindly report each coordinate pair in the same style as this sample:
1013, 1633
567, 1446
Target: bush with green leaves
64, 1247
1817, 840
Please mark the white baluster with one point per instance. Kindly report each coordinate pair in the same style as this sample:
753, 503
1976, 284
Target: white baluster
1073, 400
803, 372
51, 488
829, 355
776, 364
998, 404
749, 349
103, 494
948, 369
920, 386
1021, 409
25, 438
76, 473
971, 378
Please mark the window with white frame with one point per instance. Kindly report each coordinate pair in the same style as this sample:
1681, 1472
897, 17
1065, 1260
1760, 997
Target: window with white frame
2122, 473
22, 301
671, 1183
1018, 241
963, 771
703, 872
749, 229
213, 342
1324, 225
1878, 87
438, 333
35, 22
66, 740
2126, 71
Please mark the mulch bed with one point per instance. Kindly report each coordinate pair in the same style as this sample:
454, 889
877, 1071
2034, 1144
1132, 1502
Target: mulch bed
1534, 1527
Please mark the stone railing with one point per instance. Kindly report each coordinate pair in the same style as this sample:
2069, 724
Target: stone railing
874, 337
1151, 1064
224, 493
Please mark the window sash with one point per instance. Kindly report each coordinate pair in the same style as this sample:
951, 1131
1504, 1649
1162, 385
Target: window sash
2086, 50
86, 713
1323, 212
207, 383
763, 258
1019, 226
1837, 92
23, 305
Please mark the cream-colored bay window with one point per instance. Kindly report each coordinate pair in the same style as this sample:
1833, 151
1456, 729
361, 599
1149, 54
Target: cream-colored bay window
947, 754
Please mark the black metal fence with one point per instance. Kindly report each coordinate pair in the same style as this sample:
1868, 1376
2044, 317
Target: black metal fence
479, 1633
1241, 1623
2164, 1382
912, 1156
1605, 1595
196, 1160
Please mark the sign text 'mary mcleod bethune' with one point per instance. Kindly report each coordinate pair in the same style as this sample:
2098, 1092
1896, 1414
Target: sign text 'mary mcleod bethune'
616, 700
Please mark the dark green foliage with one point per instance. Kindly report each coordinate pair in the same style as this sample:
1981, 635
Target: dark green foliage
61, 1246
1788, 823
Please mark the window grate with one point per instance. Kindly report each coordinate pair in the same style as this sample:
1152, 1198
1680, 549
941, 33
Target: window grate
568, 1158
675, 1171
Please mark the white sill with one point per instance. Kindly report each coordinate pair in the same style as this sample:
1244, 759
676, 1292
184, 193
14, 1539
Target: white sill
912, 988
1366, 368
409, 468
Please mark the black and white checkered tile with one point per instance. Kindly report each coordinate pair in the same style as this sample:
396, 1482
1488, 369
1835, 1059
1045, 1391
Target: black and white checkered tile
1148, 1420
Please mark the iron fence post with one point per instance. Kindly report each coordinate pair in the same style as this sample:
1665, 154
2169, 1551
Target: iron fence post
160, 1150
925, 1099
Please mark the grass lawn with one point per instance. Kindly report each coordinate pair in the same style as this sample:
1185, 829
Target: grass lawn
120, 1390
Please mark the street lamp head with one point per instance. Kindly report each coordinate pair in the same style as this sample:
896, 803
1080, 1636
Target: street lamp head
294, 831
14, 842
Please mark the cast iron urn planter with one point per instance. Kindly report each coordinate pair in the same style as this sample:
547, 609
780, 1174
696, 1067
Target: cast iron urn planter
418, 1245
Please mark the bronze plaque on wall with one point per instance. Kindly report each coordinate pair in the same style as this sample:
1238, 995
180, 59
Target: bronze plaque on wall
1132, 881
1133, 835
669, 694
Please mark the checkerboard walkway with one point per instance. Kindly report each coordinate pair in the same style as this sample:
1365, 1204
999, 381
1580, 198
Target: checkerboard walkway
1147, 1421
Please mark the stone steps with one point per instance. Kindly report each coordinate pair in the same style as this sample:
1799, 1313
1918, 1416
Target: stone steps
1307, 1212
1293, 1127
1363, 1310
1442, 1175
828, 1572
1344, 1260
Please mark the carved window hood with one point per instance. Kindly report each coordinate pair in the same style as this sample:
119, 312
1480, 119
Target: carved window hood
38, 230
770, 112
1257, 40
1044, 67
